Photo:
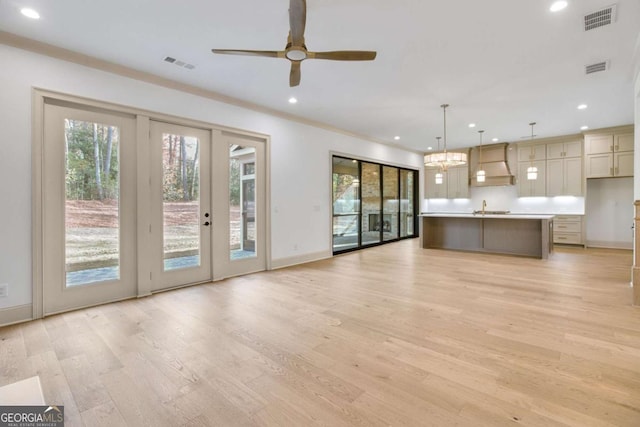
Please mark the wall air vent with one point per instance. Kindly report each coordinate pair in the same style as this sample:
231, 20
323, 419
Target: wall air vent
594, 68
179, 63
600, 18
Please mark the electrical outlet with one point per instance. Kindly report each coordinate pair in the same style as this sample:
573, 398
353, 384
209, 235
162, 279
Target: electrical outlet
4, 290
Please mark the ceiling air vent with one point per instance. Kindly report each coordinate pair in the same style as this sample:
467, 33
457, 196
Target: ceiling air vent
594, 68
600, 18
179, 63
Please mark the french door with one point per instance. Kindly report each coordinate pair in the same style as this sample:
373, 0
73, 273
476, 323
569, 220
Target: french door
240, 187
180, 223
88, 208
127, 205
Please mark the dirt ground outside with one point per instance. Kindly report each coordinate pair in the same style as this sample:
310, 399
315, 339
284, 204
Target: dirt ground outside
92, 233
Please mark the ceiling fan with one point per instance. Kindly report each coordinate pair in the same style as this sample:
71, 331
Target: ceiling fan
296, 50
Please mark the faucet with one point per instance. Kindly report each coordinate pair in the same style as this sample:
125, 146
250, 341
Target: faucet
484, 206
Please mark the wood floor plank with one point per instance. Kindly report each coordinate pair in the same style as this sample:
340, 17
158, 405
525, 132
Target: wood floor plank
393, 335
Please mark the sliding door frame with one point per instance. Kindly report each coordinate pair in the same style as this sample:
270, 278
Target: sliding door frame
40, 97
416, 206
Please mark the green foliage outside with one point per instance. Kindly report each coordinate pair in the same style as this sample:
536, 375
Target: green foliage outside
181, 177
234, 182
92, 163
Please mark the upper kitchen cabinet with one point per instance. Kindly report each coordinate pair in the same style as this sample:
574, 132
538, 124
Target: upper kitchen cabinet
528, 152
458, 182
564, 177
532, 155
560, 150
453, 185
434, 189
609, 153
532, 187
564, 168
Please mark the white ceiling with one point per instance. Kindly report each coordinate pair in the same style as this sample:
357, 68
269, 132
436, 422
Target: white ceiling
498, 63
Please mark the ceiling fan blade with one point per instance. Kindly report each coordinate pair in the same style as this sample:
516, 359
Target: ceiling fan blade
294, 77
269, 53
297, 21
344, 55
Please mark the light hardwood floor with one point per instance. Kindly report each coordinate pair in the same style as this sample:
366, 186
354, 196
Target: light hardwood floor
394, 335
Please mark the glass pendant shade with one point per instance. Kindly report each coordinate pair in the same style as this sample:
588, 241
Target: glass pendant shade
480, 174
532, 171
445, 159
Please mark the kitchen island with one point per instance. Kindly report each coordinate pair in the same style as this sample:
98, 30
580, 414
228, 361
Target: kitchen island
511, 234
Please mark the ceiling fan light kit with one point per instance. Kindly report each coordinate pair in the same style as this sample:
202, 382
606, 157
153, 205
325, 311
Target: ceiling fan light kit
296, 50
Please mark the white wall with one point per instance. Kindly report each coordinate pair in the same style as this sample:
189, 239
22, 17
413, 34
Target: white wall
609, 212
506, 199
300, 164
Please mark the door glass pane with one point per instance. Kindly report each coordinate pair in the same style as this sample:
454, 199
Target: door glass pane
406, 203
346, 203
390, 203
371, 215
92, 190
181, 201
242, 202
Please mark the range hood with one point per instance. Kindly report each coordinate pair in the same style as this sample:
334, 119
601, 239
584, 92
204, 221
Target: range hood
495, 162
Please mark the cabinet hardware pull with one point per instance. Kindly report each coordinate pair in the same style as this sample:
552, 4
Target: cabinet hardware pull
616, 171
617, 147
611, 173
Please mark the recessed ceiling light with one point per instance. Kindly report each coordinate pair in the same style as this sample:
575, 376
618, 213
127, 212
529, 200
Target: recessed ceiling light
397, 138
472, 125
495, 139
584, 128
429, 148
30, 13
558, 6
582, 107
293, 100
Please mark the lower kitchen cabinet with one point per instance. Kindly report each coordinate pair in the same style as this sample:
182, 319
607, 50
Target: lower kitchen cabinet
567, 229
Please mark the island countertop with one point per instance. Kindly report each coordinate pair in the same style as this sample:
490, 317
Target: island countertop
480, 215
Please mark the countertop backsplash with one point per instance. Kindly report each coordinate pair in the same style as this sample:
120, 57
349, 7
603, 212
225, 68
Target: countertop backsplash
506, 199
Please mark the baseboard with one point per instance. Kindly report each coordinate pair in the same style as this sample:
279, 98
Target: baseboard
300, 259
609, 245
18, 314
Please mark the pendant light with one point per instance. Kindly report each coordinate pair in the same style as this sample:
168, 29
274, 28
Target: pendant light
532, 171
439, 175
480, 174
445, 159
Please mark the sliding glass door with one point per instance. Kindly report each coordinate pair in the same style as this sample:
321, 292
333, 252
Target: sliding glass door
346, 204
372, 204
